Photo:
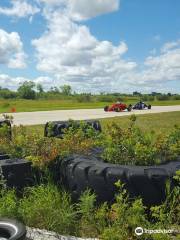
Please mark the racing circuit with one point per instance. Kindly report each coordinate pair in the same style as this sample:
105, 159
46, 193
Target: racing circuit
41, 117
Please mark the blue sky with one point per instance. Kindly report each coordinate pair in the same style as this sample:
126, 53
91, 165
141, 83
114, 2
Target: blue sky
97, 45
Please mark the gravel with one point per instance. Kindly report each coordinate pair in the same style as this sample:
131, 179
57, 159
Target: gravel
37, 234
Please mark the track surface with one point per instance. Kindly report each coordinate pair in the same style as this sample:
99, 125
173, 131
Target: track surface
33, 118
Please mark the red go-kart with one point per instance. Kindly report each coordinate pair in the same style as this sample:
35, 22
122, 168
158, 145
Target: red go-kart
118, 107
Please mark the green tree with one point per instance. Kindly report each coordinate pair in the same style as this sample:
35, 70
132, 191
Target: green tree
40, 88
66, 90
53, 90
26, 90
7, 94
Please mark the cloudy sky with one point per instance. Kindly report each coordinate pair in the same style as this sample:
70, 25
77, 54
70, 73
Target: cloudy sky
92, 45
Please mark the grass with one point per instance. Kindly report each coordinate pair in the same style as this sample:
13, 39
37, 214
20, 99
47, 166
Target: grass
45, 105
159, 122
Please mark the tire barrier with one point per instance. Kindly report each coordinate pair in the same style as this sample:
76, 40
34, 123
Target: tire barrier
56, 129
4, 156
16, 173
12, 230
8, 125
82, 172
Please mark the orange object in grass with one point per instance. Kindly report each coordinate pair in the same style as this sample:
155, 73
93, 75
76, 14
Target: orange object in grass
13, 109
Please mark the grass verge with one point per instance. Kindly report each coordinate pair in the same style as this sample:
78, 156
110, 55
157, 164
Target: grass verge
22, 105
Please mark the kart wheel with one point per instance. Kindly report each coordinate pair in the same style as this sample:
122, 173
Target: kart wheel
12, 229
117, 110
149, 106
106, 108
129, 108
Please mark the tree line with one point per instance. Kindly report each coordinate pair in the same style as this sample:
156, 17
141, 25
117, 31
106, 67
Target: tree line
30, 90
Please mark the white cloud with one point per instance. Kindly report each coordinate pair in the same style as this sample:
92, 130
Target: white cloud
158, 70
11, 50
169, 46
20, 8
10, 82
69, 53
53, 3
82, 9
85, 9
166, 66
72, 54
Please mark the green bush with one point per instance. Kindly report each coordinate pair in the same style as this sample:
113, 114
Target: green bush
43, 150
134, 147
129, 145
5, 131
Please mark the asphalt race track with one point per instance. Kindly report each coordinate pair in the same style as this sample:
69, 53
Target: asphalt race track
41, 117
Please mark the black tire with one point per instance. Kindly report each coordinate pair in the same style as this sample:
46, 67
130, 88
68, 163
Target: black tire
117, 110
82, 172
129, 108
95, 124
106, 108
12, 229
4, 156
149, 106
56, 129
16, 172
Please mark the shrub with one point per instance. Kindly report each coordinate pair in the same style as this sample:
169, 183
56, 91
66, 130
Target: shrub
5, 131
43, 150
84, 98
121, 145
134, 147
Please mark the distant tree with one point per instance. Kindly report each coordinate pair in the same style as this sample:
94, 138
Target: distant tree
155, 94
7, 94
26, 90
84, 97
66, 90
136, 93
54, 90
163, 97
40, 88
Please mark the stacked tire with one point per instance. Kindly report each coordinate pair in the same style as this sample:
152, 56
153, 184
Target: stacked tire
81, 172
16, 173
57, 128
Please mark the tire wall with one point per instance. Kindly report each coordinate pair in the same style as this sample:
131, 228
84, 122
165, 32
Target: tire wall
80, 173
